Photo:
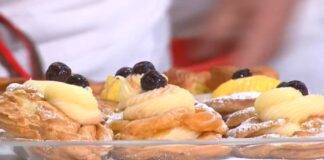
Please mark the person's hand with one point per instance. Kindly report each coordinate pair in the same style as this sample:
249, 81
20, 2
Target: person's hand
249, 29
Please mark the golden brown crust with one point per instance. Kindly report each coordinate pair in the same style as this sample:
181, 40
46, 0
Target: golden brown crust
220, 74
236, 118
204, 121
4, 82
228, 105
147, 127
97, 87
210, 136
24, 114
106, 107
118, 125
313, 126
254, 127
194, 82
201, 121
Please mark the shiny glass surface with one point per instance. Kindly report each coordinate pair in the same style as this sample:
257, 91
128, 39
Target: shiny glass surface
311, 147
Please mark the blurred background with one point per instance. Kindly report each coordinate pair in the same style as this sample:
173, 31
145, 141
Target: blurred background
97, 37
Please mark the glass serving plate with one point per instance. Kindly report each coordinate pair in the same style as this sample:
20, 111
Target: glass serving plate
231, 148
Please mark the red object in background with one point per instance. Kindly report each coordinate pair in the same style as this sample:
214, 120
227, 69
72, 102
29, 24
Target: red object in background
180, 59
12, 62
8, 59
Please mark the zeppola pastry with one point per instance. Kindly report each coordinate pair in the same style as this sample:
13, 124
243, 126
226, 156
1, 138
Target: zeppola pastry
263, 107
140, 104
238, 94
286, 111
232, 103
30, 113
300, 115
196, 83
53, 110
165, 111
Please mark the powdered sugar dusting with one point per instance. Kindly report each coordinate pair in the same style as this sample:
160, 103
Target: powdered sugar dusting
239, 96
47, 114
246, 128
314, 123
314, 126
320, 134
203, 106
203, 97
242, 112
16, 86
114, 117
251, 120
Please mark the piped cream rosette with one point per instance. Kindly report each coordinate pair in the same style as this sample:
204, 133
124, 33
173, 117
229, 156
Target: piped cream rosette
157, 102
165, 113
288, 104
76, 102
118, 88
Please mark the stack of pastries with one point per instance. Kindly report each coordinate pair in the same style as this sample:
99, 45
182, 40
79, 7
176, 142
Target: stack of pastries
207, 81
139, 103
159, 111
60, 108
255, 106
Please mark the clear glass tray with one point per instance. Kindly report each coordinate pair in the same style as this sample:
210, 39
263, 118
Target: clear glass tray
272, 148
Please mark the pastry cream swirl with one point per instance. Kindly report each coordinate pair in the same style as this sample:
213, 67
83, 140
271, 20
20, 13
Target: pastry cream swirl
289, 104
76, 102
135, 81
157, 102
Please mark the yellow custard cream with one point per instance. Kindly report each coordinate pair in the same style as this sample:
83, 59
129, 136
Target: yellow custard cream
134, 80
76, 102
274, 97
118, 88
257, 83
290, 104
157, 102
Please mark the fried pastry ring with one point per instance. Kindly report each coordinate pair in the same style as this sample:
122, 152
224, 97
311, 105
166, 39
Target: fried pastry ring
24, 114
194, 82
313, 126
236, 118
253, 127
147, 127
201, 121
229, 104
310, 127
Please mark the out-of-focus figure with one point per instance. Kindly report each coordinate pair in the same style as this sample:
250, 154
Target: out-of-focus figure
94, 37
249, 29
285, 34
301, 54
